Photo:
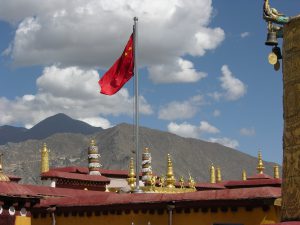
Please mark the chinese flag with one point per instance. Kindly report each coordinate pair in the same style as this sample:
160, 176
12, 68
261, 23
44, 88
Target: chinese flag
120, 72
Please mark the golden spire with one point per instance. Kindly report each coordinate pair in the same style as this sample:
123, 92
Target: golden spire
219, 175
131, 175
191, 182
244, 175
181, 182
92, 142
212, 174
3, 177
170, 180
276, 171
260, 166
44, 158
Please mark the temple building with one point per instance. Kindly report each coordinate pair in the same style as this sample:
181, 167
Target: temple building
92, 195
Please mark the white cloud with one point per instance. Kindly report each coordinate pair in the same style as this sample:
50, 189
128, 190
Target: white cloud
231, 143
183, 130
233, 87
216, 95
72, 91
207, 39
181, 110
93, 34
216, 113
205, 127
181, 71
97, 122
245, 34
247, 131
188, 130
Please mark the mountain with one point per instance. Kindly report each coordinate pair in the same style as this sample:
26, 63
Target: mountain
116, 147
59, 123
8, 133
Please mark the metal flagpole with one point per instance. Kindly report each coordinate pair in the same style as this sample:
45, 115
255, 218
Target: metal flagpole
136, 91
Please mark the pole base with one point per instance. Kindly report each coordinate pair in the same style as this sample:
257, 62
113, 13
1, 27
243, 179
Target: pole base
137, 191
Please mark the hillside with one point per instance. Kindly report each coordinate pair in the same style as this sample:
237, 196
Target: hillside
116, 147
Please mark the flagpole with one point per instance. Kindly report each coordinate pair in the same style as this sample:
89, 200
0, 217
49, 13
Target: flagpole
136, 92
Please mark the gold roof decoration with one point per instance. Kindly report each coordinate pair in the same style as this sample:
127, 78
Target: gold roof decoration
218, 175
191, 182
260, 166
3, 177
181, 182
92, 142
167, 183
45, 158
170, 179
276, 172
244, 175
212, 174
131, 175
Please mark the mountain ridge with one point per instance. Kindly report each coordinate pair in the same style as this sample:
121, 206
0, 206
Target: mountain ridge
116, 146
59, 123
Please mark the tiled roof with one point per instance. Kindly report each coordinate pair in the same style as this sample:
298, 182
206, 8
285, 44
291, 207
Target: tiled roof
259, 176
56, 192
253, 183
204, 186
74, 176
14, 178
104, 198
85, 170
12, 189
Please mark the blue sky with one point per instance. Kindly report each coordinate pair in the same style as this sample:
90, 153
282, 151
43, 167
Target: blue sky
204, 71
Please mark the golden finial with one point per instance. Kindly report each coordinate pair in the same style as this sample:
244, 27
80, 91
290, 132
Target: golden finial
212, 174
131, 175
260, 167
92, 142
219, 175
153, 182
181, 182
244, 175
3, 177
170, 175
191, 182
161, 181
44, 158
276, 171
146, 150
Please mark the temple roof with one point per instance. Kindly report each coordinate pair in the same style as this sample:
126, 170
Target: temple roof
12, 189
85, 170
259, 176
201, 197
74, 176
253, 183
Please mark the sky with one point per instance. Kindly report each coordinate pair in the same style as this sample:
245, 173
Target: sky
203, 67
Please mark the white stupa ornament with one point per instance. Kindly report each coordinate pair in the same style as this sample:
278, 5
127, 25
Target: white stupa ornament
94, 159
146, 167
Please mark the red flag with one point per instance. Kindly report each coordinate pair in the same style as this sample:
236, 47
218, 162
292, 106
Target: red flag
120, 72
